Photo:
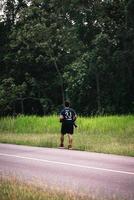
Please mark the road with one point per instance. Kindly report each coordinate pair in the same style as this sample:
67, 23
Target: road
97, 174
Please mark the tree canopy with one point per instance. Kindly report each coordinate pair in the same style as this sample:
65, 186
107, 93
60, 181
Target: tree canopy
52, 50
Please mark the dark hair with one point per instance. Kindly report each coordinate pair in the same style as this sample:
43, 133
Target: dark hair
67, 103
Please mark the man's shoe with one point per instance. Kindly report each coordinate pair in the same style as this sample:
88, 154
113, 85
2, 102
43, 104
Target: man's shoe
61, 146
70, 147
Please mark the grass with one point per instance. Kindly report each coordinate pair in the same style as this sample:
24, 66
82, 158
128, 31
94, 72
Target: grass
14, 189
107, 134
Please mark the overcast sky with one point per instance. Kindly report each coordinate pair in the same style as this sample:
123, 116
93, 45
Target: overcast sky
1, 7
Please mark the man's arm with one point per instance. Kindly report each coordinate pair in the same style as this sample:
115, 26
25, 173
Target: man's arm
61, 118
75, 117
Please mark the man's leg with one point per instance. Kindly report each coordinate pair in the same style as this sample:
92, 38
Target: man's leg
62, 140
70, 140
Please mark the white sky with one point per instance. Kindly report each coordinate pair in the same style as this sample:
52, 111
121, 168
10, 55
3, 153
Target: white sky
1, 3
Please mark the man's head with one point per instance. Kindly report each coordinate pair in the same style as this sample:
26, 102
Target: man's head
67, 103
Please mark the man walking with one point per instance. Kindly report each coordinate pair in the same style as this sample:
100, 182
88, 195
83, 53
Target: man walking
67, 118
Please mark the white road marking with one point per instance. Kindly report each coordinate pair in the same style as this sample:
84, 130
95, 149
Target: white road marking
68, 164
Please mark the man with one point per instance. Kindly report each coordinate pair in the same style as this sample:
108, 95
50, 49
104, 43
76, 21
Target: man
67, 118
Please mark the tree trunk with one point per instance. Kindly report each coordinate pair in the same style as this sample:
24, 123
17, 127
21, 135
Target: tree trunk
61, 81
22, 106
98, 92
59, 74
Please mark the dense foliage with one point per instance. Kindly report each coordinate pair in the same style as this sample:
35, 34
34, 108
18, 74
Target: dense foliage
52, 50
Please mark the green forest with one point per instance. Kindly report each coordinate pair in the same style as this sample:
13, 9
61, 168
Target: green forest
57, 50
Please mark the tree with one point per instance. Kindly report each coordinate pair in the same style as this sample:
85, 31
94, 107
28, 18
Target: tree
9, 92
81, 50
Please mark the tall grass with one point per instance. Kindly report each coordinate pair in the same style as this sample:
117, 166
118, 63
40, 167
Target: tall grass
50, 124
13, 189
107, 134
29, 124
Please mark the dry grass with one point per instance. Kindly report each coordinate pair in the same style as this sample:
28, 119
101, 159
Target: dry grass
12, 189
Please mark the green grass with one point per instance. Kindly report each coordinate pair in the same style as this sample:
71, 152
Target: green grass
107, 134
28, 124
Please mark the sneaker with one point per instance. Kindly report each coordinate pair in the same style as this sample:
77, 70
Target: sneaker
69, 146
61, 146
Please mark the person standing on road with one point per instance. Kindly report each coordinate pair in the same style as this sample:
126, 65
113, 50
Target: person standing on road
67, 118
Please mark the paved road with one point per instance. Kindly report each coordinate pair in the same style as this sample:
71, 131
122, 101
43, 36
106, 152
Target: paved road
83, 172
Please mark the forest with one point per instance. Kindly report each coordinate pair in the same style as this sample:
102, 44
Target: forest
57, 50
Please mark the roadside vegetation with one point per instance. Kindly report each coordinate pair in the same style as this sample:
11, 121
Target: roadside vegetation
12, 189
107, 134
15, 189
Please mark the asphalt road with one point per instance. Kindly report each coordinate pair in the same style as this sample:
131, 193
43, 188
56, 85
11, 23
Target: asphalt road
94, 174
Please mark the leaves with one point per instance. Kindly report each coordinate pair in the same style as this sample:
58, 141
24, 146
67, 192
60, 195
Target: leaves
82, 50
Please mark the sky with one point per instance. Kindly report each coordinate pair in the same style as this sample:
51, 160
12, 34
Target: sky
1, 7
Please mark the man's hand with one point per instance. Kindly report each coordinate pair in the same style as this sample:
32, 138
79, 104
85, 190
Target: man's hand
61, 120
